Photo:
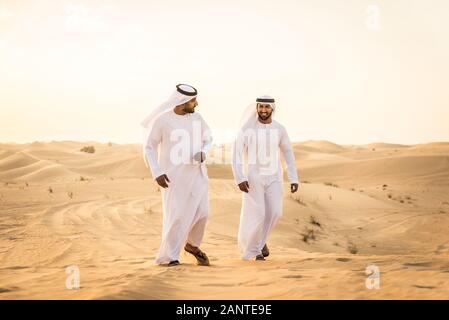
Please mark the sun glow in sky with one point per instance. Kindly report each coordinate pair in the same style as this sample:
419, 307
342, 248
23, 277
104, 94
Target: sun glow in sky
351, 71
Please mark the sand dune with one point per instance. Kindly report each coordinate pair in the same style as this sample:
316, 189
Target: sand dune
378, 204
425, 168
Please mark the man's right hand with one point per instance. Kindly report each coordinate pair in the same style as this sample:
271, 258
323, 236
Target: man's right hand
162, 181
244, 186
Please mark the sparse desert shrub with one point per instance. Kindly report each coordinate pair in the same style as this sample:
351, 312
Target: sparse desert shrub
88, 149
331, 184
352, 248
314, 221
308, 234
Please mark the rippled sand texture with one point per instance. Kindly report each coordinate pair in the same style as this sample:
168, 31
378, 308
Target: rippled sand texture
380, 204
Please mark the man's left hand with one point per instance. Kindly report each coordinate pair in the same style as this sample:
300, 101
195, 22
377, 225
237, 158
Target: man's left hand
200, 156
294, 187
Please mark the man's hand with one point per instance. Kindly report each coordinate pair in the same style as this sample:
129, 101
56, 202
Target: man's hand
200, 156
244, 186
294, 187
162, 181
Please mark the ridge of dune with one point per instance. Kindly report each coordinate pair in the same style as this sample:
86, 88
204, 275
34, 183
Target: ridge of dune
16, 160
50, 173
39, 171
433, 144
383, 145
131, 166
435, 148
319, 145
5, 153
408, 168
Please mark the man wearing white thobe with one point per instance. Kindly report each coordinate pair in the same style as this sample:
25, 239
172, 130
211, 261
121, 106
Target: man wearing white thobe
180, 170
258, 173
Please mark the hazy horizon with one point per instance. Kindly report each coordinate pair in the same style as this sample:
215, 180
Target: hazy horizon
352, 72
219, 142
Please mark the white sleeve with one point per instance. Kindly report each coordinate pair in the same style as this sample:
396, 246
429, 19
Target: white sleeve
151, 146
238, 150
206, 135
289, 156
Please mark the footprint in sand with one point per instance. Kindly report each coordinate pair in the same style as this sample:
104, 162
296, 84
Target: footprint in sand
218, 285
343, 259
441, 249
417, 264
294, 276
3, 290
424, 287
17, 267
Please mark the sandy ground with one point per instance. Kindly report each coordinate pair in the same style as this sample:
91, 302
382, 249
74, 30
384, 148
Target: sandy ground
376, 205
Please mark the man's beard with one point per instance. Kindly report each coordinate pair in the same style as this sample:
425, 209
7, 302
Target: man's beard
187, 110
262, 117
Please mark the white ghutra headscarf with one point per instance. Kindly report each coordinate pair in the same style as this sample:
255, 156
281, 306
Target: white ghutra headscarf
181, 95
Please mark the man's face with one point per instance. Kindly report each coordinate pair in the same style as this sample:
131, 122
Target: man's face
189, 106
264, 111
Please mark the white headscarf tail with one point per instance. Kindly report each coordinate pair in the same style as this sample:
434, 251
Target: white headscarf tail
181, 95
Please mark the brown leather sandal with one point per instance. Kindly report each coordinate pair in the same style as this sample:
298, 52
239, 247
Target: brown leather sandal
260, 257
265, 251
200, 256
173, 263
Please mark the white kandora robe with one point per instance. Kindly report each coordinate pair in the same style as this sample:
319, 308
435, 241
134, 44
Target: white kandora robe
185, 202
262, 205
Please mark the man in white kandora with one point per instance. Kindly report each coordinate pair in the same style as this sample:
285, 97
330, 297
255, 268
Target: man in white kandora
257, 169
180, 170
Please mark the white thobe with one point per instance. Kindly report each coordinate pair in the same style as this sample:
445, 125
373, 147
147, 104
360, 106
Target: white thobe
262, 205
185, 202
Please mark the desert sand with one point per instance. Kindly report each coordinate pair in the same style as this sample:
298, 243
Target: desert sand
380, 204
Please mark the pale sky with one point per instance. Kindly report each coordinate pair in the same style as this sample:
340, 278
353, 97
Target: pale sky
348, 71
